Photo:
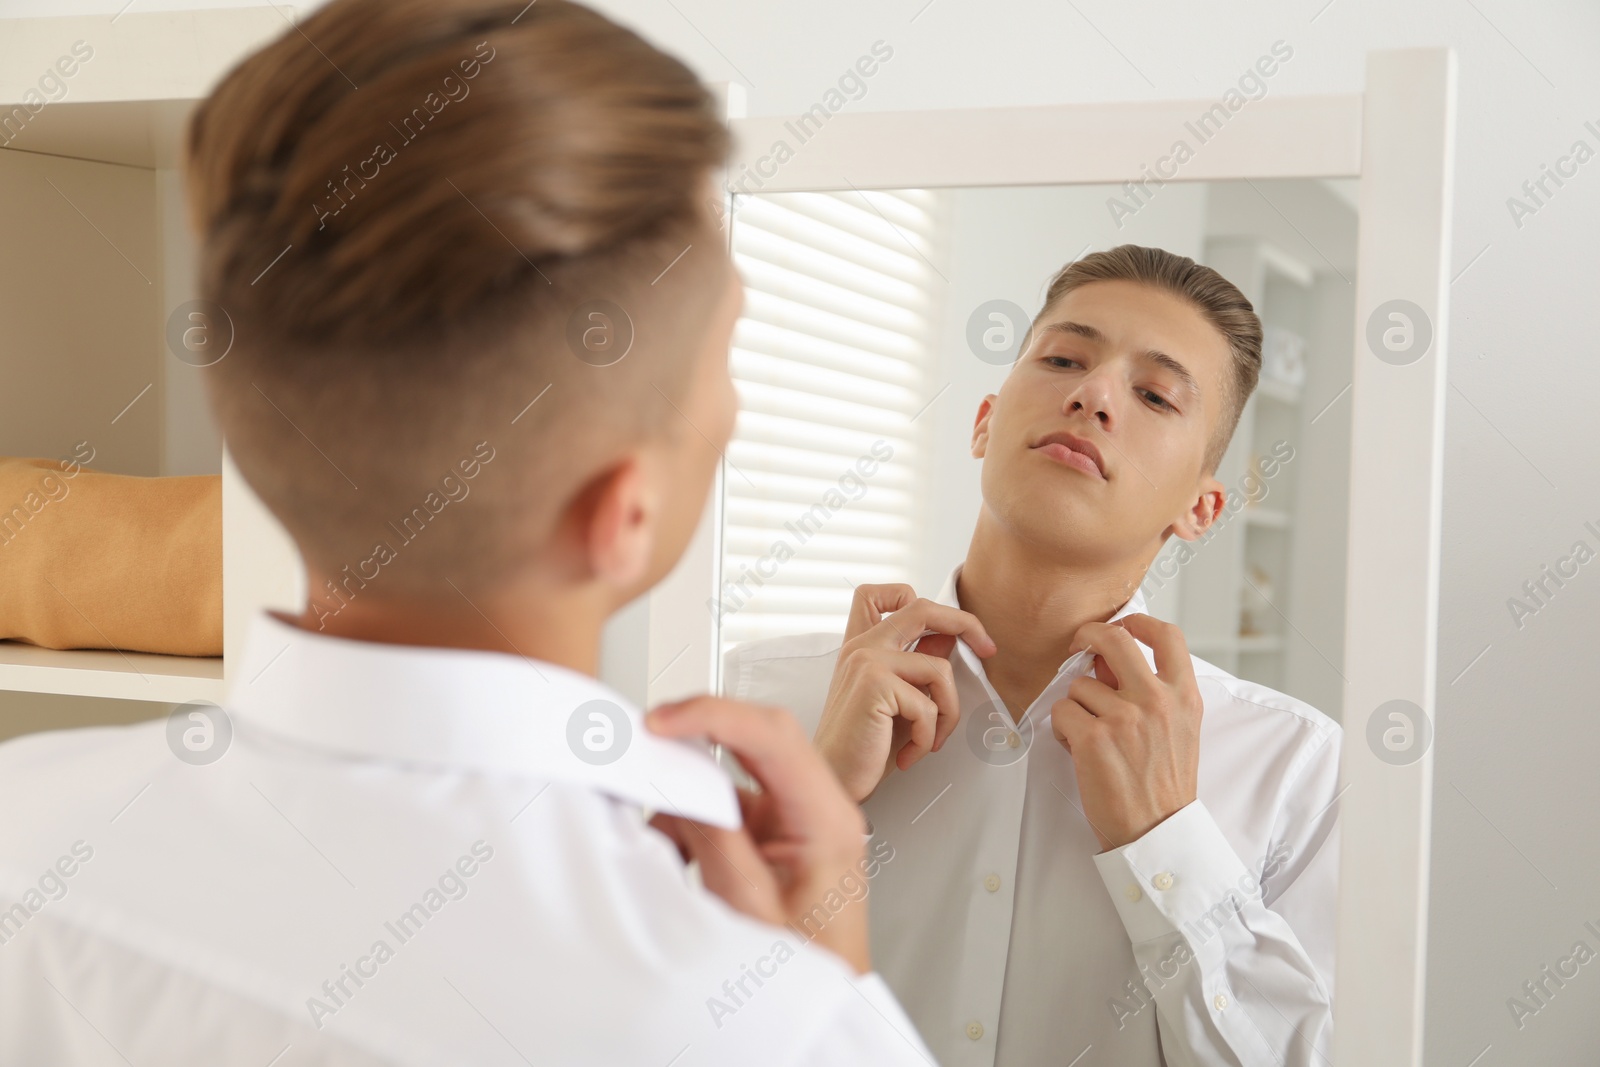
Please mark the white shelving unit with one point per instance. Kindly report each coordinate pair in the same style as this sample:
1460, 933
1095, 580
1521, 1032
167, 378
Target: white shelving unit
1261, 599
96, 254
101, 673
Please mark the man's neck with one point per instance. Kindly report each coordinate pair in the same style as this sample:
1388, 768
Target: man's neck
1032, 604
535, 624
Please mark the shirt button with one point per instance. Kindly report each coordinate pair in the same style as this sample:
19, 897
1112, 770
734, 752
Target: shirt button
1134, 894
1162, 880
974, 1030
1012, 740
1221, 1001
992, 883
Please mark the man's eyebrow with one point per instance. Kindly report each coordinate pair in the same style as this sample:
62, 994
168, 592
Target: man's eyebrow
1179, 371
1081, 329
1161, 359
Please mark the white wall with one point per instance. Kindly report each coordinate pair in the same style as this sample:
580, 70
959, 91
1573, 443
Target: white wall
190, 440
1517, 827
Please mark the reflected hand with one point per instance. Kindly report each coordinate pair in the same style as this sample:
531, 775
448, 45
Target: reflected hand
1133, 733
893, 691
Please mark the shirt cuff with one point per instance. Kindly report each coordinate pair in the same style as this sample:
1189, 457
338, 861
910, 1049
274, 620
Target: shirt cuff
1181, 877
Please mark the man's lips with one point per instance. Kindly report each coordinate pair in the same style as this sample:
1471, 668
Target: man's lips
1072, 451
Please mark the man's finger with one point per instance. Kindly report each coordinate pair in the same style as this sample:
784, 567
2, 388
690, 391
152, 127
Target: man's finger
1103, 671
922, 714
1171, 649
933, 674
671, 827
906, 626
1070, 721
754, 812
768, 743
943, 691
872, 602
1119, 649
731, 865
1096, 697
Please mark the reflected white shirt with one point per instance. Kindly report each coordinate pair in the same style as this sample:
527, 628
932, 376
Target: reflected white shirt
397, 859
1011, 943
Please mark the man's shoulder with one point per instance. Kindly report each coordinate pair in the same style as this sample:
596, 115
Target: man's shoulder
1256, 698
1271, 718
677, 959
790, 672
49, 749
50, 772
812, 646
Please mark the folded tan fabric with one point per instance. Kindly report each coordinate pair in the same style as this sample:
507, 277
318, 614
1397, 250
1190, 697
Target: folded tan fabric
96, 560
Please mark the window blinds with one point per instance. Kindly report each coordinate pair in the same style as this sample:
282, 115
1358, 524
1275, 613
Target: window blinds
830, 360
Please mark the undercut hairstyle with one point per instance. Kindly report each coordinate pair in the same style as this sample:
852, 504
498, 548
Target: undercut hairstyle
444, 229
1216, 298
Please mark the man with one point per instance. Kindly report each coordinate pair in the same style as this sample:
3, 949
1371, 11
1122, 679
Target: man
1107, 851
415, 834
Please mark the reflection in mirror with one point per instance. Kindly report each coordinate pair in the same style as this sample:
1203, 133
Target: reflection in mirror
876, 321
1070, 851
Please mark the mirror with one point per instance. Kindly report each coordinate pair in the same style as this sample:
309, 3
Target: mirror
876, 322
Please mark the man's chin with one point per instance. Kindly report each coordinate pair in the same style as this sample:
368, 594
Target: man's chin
1058, 520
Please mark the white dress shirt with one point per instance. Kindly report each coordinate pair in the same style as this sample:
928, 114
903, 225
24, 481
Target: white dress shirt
397, 859
1012, 943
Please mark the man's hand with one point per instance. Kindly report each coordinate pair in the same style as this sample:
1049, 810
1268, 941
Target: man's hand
801, 834
893, 692
1133, 734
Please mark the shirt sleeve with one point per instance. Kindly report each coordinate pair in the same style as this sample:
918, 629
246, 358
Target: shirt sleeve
1238, 960
870, 1028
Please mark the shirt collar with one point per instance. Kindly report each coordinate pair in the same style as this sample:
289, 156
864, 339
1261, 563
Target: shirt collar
467, 709
947, 596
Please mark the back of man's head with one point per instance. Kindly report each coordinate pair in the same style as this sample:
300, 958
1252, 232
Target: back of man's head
408, 210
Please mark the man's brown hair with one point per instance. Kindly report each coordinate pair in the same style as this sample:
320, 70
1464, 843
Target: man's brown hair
1218, 299
408, 210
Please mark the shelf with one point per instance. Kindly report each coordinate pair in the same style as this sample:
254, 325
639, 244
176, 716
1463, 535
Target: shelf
133, 133
1273, 389
131, 82
102, 673
1260, 643
1257, 644
120, 105
1286, 266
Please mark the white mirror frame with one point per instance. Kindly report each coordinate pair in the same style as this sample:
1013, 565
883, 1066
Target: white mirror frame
1398, 137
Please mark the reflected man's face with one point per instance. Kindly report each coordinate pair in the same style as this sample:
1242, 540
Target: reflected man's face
1129, 372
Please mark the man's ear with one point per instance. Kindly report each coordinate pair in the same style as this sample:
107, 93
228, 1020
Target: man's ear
980, 426
1205, 510
615, 517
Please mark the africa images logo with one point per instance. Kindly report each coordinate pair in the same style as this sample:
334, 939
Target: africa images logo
199, 732
598, 732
